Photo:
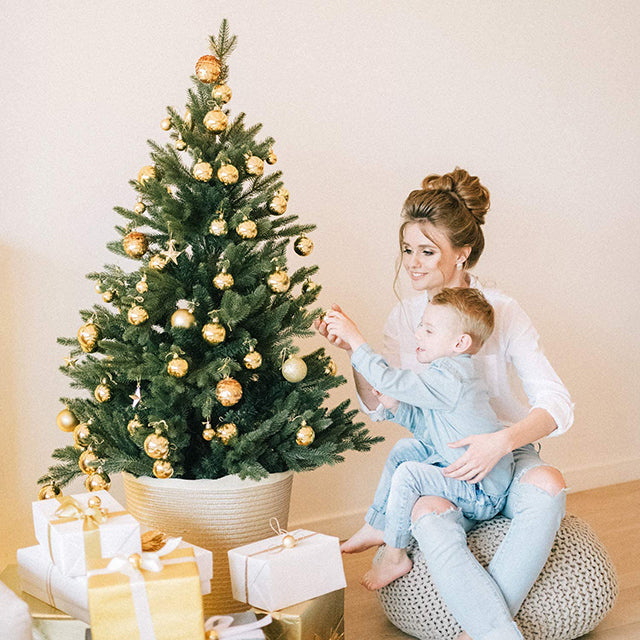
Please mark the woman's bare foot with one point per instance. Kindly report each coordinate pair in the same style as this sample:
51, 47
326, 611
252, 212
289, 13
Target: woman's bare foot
393, 564
363, 539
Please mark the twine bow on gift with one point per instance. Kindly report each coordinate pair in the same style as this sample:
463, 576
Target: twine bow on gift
70, 509
219, 628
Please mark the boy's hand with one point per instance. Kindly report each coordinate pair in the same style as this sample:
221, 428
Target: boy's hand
321, 327
387, 401
341, 326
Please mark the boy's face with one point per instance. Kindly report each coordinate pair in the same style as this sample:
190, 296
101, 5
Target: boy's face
438, 334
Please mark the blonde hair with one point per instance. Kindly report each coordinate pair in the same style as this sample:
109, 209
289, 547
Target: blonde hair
474, 312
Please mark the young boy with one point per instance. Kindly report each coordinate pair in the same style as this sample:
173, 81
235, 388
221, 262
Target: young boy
445, 403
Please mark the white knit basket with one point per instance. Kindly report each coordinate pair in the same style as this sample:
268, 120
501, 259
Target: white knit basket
214, 514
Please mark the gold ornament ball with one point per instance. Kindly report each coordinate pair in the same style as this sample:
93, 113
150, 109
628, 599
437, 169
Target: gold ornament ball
308, 285
97, 481
283, 192
182, 319
142, 286
305, 436
88, 337
221, 93
288, 541
214, 333
228, 174
134, 425
208, 69
81, 435
202, 171
137, 315
252, 360
139, 207
107, 296
162, 469
49, 491
156, 446
94, 502
247, 229
102, 393
135, 244
223, 280
98, 287
177, 367
165, 124
294, 369
148, 172
303, 245
208, 434
272, 158
86, 458
226, 432
157, 262
218, 227
180, 145
187, 118
228, 392
211, 634
215, 121
255, 166
66, 421
279, 281
278, 205
332, 368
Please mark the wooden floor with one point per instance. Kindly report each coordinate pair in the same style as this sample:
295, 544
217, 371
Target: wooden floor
614, 514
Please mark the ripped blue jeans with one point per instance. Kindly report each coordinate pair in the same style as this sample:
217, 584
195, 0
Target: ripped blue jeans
484, 602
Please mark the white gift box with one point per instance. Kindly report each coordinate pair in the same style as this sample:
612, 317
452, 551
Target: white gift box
204, 560
64, 537
269, 576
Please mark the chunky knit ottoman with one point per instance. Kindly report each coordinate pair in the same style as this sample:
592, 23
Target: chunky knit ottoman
574, 592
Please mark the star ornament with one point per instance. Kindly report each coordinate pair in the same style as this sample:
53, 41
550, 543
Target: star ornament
136, 397
70, 362
170, 252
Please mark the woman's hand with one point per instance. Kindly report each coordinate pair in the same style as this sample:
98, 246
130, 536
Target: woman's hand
483, 452
386, 401
321, 327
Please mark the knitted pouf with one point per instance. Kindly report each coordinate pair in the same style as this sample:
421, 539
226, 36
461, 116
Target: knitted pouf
576, 589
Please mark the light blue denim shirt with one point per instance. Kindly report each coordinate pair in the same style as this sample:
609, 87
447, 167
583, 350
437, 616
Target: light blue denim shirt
444, 403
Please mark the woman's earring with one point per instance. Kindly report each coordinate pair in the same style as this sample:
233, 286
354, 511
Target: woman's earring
459, 265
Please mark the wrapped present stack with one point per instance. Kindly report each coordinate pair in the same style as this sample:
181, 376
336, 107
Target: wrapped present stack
93, 563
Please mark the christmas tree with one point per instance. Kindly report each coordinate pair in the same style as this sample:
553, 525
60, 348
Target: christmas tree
192, 370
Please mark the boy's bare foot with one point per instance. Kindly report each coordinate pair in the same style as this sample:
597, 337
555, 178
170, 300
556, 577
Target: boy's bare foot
363, 539
390, 567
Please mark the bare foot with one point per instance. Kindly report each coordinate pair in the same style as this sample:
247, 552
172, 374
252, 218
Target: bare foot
393, 564
363, 539
463, 636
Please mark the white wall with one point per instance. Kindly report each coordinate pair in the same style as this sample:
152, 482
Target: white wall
540, 99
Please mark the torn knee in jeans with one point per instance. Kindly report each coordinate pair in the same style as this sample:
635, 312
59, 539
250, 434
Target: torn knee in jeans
431, 505
544, 477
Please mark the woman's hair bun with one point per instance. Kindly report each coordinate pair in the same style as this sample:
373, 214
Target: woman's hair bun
464, 187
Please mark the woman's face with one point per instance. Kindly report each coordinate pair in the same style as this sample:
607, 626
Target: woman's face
430, 261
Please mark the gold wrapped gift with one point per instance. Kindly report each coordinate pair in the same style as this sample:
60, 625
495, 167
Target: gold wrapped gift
140, 595
320, 618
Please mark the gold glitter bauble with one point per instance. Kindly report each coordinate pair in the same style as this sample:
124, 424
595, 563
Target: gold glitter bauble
81, 435
218, 227
177, 367
208, 69
137, 315
156, 446
294, 369
66, 421
165, 124
303, 245
208, 434
88, 337
221, 92
49, 491
107, 296
157, 262
228, 392
227, 431
215, 121
331, 369
308, 285
252, 360
135, 244
187, 118
272, 158
278, 205
255, 166
134, 425
98, 287
87, 457
142, 286
305, 436
139, 207
162, 469
214, 332
228, 174
182, 319
97, 481
283, 192
223, 280
247, 229
148, 172
102, 393
278, 281
202, 171
180, 145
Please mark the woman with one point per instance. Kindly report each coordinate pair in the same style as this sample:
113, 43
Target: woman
441, 238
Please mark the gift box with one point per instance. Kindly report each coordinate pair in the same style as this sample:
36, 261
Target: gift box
70, 530
286, 569
320, 618
238, 626
146, 597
